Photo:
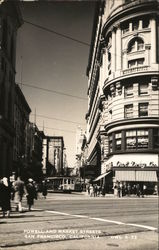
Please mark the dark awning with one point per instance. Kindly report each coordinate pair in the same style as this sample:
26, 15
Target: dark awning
101, 176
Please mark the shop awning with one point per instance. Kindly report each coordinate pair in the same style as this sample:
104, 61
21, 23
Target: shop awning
146, 176
101, 176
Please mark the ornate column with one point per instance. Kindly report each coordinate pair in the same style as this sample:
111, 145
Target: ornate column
153, 40
125, 59
113, 51
118, 48
140, 24
130, 27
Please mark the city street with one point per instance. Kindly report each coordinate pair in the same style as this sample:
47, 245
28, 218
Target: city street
77, 221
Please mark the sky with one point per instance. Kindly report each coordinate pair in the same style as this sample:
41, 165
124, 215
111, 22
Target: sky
49, 61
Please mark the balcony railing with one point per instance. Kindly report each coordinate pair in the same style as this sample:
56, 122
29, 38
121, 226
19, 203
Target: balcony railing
135, 69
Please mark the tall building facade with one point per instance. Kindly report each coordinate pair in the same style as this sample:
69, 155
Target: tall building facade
34, 146
21, 146
54, 155
80, 136
10, 21
123, 90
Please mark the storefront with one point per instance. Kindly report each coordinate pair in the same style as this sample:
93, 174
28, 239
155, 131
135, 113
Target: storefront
144, 177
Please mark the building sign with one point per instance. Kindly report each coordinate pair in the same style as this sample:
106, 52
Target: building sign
134, 164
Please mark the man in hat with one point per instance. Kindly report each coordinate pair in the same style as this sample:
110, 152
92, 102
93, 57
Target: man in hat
31, 193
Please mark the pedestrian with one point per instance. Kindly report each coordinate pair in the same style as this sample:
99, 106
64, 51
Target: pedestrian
5, 196
98, 190
19, 191
119, 190
88, 189
138, 192
44, 189
95, 190
91, 190
115, 190
31, 193
129, 189
144, 190
103, 191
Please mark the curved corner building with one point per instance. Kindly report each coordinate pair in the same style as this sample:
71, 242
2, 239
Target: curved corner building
123, 91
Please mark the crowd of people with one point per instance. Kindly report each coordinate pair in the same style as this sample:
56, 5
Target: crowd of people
123, 189
94, 190
120, 189
15, 191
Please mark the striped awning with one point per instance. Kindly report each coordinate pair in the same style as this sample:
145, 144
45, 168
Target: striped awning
145, 176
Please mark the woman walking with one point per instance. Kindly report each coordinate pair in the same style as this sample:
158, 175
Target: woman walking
19, 191
44, 189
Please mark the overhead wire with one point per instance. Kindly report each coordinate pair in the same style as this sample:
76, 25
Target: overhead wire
56, 33
52, 91
54, 118
69, 131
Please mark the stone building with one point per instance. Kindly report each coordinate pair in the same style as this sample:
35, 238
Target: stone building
22, 144
54, 156
10, 21
123, 92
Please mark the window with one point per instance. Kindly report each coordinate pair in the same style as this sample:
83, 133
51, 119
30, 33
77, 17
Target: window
135, 44
110, 114
2, 99
142, 138
136, 63
125, 28
135, 25
10, 77
156, 138
146, 23
143, 109
4, 34
136, 139
128, 90
131, 139
140, 44
128, 111
143, 88
3, 65
118, 141
110, 144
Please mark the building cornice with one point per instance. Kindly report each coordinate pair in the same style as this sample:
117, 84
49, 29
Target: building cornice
127, 9
138, 120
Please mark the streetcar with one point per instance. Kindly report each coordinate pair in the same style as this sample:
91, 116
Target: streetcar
63, 184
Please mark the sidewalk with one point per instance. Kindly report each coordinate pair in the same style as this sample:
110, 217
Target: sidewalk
113, 196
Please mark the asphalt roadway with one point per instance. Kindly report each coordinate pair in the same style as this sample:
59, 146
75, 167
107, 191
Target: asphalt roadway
80, 222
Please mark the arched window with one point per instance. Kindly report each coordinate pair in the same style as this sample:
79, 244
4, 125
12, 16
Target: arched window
2, 99
135, 45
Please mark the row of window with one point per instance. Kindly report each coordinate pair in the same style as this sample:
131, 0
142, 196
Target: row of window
134, 139
142, 89
135, 45
142, 110
126, 27
3, 68
7, 39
